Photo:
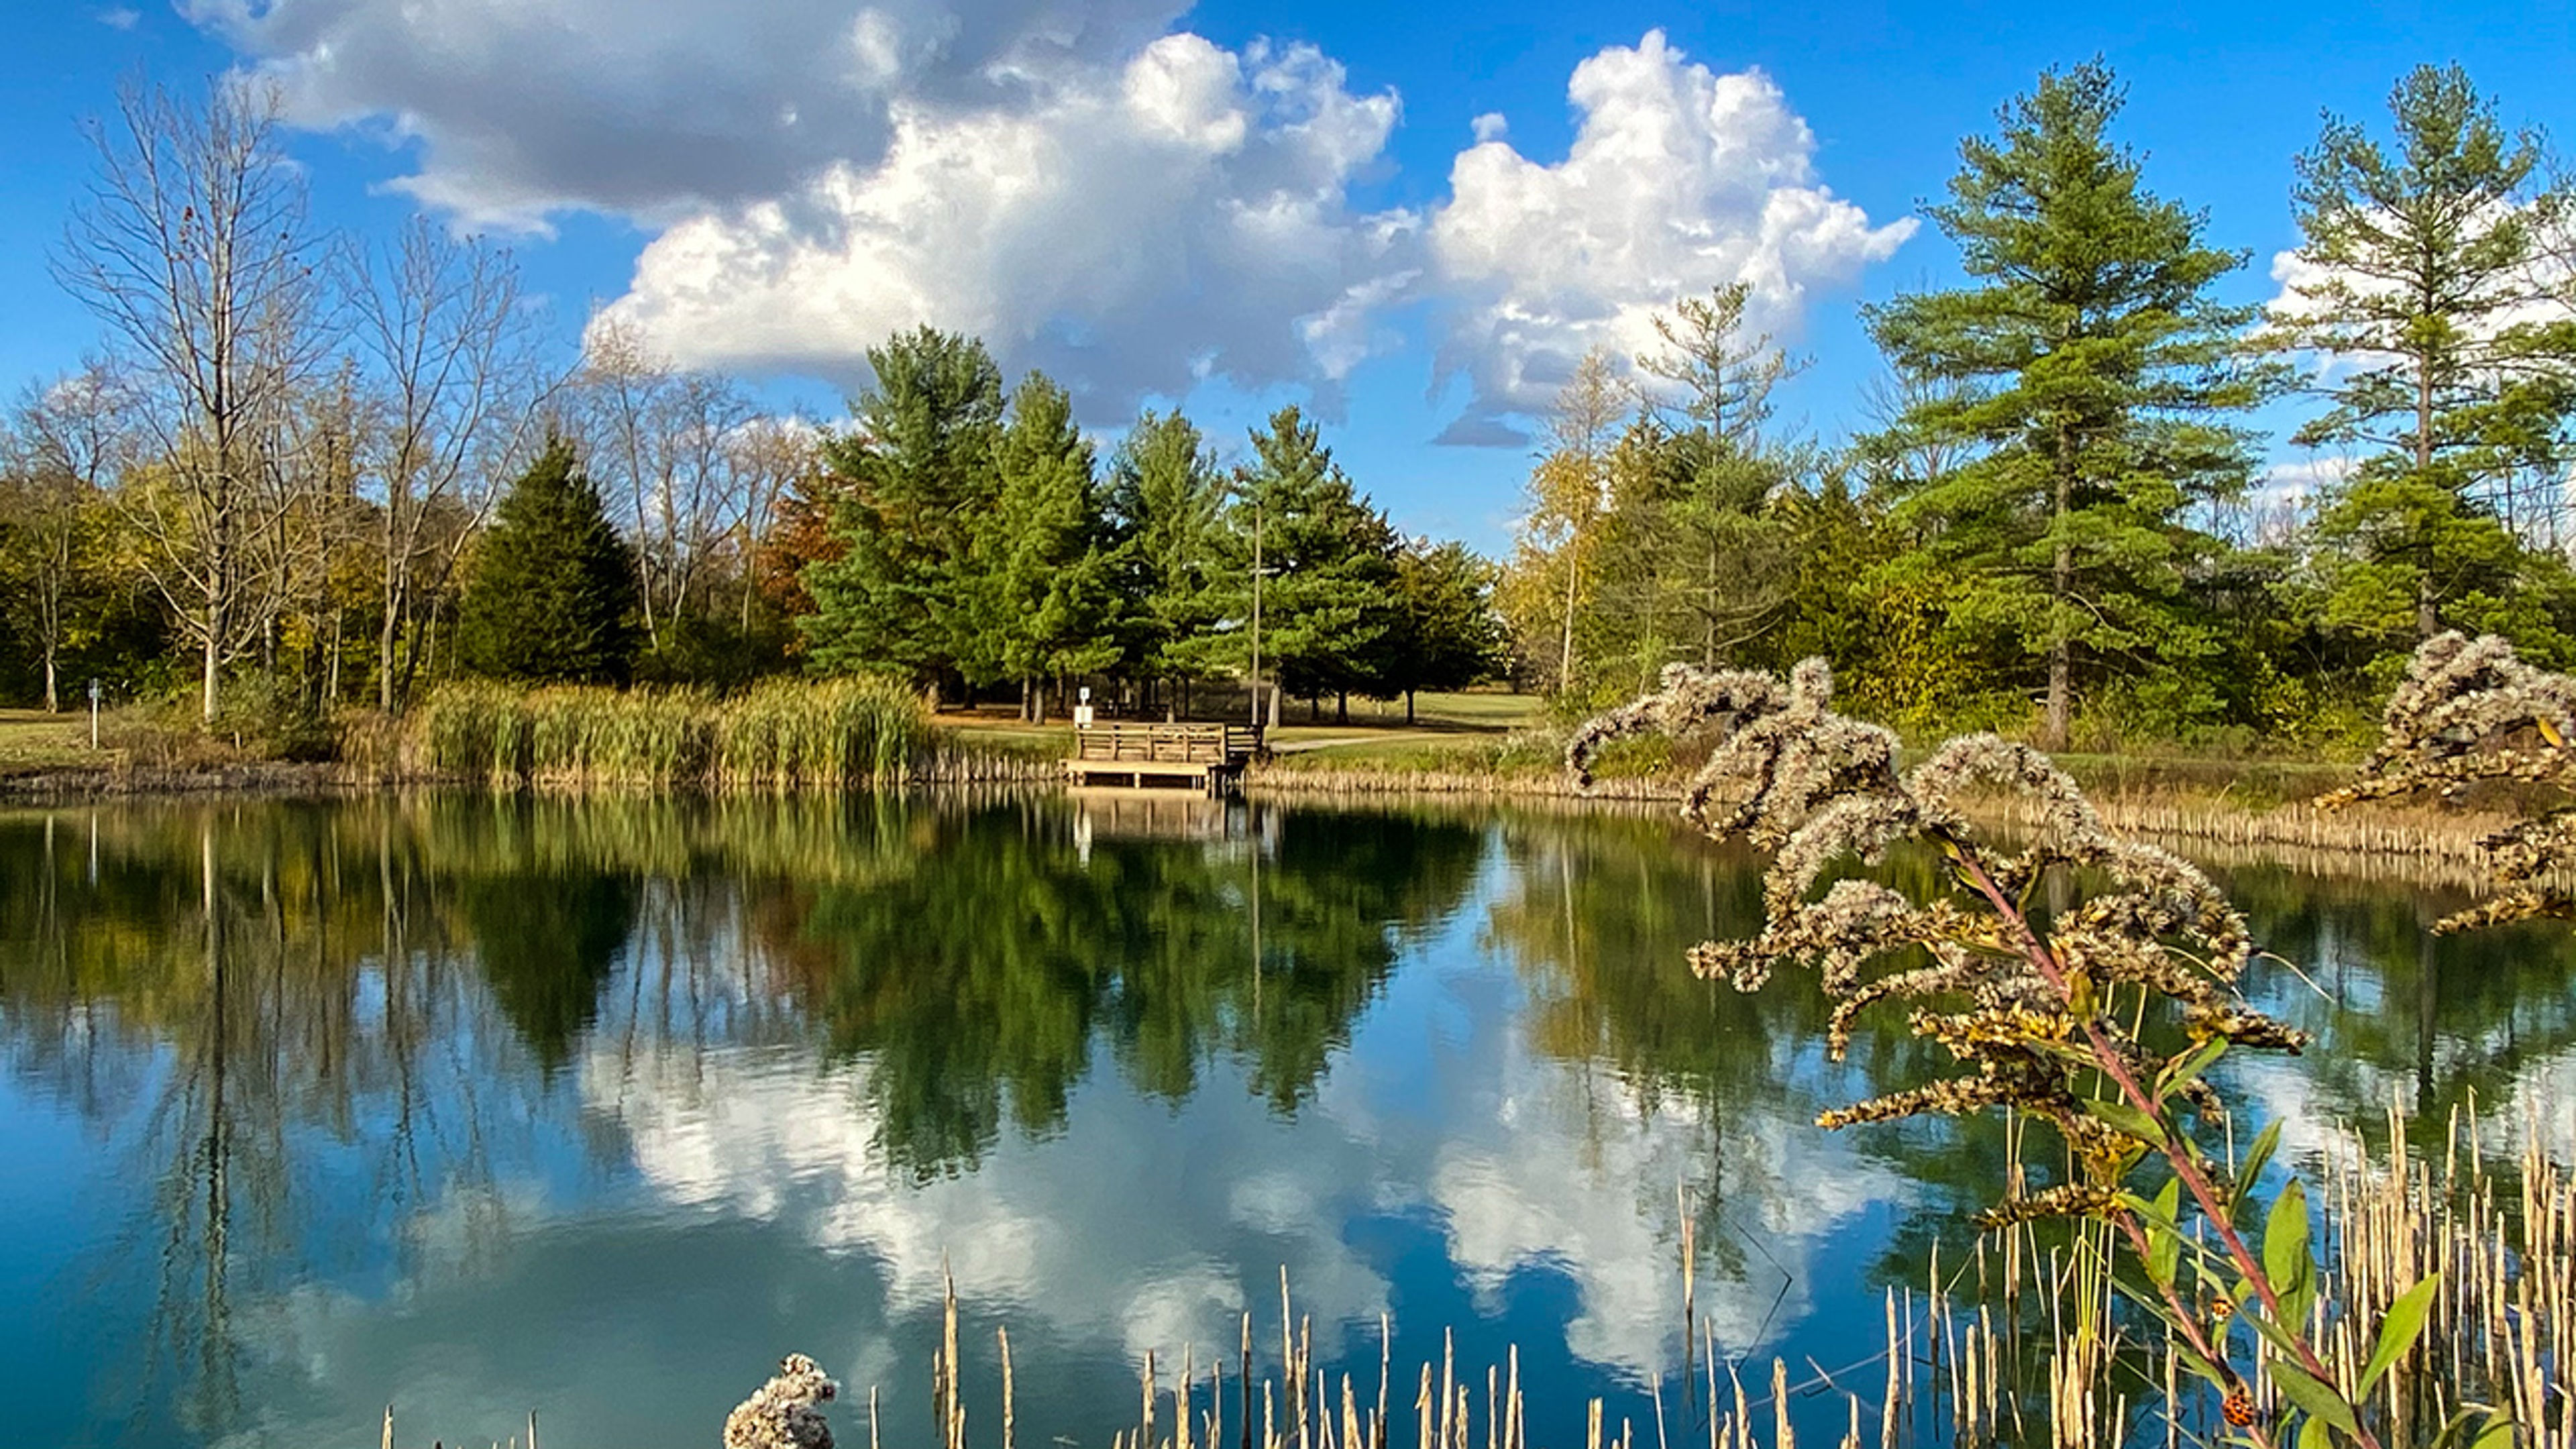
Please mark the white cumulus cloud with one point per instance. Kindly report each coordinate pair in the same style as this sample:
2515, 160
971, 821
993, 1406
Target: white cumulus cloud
1679, 179
655, 109
1138, 229
1133, 208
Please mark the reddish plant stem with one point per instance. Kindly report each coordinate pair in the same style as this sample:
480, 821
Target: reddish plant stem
2108, 1059
2182, 1317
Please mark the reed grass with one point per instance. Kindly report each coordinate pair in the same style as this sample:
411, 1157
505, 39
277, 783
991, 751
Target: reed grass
834, 734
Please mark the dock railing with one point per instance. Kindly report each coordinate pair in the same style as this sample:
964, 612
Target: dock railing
1165, 744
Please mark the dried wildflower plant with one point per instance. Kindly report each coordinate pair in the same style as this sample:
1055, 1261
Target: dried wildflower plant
2470, 711
2019, 1004
2100, 1018
782, 1413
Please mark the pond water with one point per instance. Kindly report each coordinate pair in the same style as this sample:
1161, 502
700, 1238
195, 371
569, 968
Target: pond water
474, 1106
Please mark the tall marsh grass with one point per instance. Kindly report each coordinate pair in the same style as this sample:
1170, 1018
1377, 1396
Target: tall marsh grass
782, 735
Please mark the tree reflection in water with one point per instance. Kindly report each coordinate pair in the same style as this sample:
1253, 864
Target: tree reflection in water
359, 1044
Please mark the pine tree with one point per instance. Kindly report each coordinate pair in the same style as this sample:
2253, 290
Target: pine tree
1328, 560
1052, 601
1696, 553
2086, 373
919, 468
553, 590
1166, 496
1692, 560
2418, 286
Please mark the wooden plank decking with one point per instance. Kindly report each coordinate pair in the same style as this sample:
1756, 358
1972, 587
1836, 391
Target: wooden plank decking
1203, 757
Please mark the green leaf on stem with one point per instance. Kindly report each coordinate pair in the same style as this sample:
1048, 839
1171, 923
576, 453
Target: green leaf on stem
2321, 1402
2124, 1119
2271, 1333
2201, 1366
2164, 1235
2398, 1330
2285, 1243
2187, 1069
2251, 1169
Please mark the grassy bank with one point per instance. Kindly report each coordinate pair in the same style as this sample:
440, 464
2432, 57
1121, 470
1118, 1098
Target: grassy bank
2258, 805
32, 741
784, 735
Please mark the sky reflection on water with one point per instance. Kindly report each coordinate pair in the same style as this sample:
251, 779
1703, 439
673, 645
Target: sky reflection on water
598, 1107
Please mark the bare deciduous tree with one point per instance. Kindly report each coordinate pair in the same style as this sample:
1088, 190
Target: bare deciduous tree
771, 458
452, 361
663, 448
191, 245
312, 556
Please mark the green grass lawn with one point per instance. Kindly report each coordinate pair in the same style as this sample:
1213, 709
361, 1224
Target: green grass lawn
31, 740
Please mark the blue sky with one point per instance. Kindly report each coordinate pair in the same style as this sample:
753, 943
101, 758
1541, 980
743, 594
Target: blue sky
1229, 205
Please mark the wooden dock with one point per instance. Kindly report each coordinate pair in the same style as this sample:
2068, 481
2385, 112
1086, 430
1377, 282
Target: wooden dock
1206, 758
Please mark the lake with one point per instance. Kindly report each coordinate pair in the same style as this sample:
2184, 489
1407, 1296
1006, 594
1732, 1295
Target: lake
597, 1107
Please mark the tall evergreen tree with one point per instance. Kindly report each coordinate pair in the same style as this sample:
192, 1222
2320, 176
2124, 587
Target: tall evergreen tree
2419, 285
1693, 559
1328, 560
918, 462
1053, 602
2098, 373
1166, 499
553, 589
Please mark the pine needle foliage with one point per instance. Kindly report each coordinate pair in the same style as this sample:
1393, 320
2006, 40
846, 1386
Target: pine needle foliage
2424, 288
913, 482
2084, 378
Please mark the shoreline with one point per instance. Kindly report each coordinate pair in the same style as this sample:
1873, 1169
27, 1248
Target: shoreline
2292, 832
265, 780
2295, 832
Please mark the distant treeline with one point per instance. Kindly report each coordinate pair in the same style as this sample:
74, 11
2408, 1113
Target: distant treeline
310, 470
958, 535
